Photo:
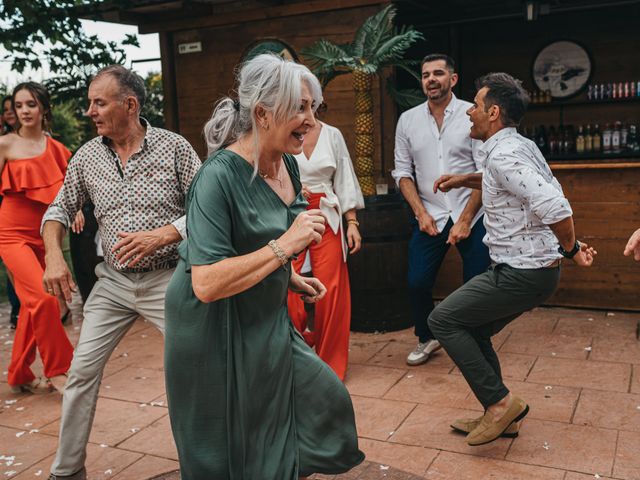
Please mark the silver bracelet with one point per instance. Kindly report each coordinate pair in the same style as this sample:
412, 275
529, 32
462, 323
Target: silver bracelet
279, 253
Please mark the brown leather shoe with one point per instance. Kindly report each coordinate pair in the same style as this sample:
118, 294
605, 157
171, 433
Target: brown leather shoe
488, 430
467, 425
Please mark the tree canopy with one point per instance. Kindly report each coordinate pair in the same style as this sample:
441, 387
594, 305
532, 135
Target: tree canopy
35, 32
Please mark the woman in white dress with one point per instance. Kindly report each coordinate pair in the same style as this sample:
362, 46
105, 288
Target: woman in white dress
328, 178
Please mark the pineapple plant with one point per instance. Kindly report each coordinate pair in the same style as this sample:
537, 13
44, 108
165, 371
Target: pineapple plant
377, 44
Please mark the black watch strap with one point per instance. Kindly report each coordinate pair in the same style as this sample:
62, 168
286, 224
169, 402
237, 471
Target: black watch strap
570, 254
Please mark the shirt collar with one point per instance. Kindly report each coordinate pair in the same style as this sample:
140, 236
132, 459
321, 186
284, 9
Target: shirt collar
145, 141
449, 109
491, 143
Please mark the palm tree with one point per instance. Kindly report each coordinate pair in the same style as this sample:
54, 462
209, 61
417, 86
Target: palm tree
377, 44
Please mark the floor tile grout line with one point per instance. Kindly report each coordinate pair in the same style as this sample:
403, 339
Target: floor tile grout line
133, 434
615, 455
431, 462
575, 407
402, 422
633, 369
531, 368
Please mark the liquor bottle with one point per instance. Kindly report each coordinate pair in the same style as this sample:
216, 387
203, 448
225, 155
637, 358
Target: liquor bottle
627, 89
547, 96
588, 140
632, 90
580, 141
603, 89
620, 90
615, 138
569, 139
606, 139
541, 140
609, 92
597, 139
561, 135
553, 141
633, 144
614, 91
590, 92
624, 136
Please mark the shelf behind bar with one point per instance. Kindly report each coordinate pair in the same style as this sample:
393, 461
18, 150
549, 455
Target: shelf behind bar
585, 163
574, 103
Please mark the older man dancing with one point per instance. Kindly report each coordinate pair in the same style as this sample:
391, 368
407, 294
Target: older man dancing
137, 177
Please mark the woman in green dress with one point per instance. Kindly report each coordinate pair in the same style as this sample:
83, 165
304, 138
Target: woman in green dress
248, 399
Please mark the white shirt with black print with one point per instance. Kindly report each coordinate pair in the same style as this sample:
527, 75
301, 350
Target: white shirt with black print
521, 197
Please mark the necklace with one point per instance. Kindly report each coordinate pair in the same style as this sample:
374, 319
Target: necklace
266, 176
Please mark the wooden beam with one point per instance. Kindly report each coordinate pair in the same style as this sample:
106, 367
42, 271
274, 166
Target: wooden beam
591, 165
256, 14
170, 103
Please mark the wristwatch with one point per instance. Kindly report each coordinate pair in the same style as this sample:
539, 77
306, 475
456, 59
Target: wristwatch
571, 253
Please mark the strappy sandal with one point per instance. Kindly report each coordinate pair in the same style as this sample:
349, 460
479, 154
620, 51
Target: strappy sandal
36, 386
58, 382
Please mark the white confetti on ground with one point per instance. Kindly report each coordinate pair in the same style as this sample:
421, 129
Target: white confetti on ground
19, 409
545, 445
157, 404
548, 387
34, 430
104, 445
134, 430
28, 425
10, 402
384, 467
8, 342
19, 434
108, 471
553, 354
597, 476
10, 473
409, 376
588, 349
38, 473
611, 314
590, 319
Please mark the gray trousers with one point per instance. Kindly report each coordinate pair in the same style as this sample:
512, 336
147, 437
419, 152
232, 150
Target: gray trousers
465, 321
116, 301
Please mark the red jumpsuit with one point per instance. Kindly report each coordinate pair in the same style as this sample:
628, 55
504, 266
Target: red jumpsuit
29, 185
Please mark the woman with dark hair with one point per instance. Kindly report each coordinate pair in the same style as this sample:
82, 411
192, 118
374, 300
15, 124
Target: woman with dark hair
8, 123
9, 119
33, 166
248, 399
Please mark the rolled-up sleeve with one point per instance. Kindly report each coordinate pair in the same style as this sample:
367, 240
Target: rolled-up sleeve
402, 154
542, 197
71, 196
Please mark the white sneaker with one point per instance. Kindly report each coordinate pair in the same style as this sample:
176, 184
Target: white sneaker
421, 353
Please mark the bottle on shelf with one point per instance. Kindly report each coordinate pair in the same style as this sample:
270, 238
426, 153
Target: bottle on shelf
633, 144
624, 136
580, 141
588, 140
553, 141
615, 137
561, 134
541, 140
606, 139
547, 96
569, 139
597, 139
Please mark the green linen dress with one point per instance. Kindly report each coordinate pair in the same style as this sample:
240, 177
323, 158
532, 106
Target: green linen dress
248, 399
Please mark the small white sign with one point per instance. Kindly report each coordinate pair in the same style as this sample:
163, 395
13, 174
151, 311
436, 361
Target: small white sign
192, 47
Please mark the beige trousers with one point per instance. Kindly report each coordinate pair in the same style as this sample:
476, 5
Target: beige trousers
116, 301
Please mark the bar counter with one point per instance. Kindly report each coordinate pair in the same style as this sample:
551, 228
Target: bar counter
605, 197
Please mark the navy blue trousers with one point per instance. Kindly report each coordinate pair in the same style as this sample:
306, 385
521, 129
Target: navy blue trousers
426, 254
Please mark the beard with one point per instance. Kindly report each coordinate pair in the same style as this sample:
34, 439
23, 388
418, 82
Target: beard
441, 91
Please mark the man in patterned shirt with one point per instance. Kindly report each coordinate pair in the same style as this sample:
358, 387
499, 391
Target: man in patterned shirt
529, 227
137, 176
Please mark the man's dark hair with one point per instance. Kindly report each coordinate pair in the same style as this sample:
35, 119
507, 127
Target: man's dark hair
432, 57
130, 82
507, 93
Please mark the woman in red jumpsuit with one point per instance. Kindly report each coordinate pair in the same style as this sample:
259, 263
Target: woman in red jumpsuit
33, 166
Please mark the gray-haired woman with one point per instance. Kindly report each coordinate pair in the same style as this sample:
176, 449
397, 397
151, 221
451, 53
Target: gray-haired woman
247, 398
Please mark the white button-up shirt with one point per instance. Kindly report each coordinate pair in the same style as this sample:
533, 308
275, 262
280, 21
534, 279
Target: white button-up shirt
329, 170
424, 153
521, 198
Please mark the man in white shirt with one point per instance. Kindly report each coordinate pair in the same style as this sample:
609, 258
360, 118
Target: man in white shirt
529, 229
432, 139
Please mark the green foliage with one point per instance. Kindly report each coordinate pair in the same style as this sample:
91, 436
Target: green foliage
66, 127
406, 98
153, 109
377, 44
51, 29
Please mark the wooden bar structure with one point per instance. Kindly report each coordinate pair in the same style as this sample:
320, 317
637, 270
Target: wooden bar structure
492, 35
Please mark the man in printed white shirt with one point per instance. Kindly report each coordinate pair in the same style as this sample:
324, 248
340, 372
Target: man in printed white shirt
433, 139
529, 229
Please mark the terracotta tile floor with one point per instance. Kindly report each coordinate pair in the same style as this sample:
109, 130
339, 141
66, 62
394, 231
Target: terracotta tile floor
578, 369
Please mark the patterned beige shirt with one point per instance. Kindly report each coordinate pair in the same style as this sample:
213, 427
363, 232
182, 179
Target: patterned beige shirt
148, 193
